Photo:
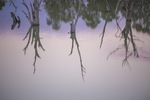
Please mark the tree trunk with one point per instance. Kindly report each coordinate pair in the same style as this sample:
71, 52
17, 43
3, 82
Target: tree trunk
35, 13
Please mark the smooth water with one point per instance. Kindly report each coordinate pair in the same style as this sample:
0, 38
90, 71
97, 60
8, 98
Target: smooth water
112, 72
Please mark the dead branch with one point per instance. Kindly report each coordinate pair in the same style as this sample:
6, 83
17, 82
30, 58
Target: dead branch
114, 51
11, 2
108, 8
28, 34
73, 35
103, 33
125, 61
83, 69
27, 15
133, 44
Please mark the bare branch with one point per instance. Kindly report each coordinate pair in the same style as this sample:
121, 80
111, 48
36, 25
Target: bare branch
103, 33
83, 69
125, 61
104, 28
30, 21
75, 16
27, 15
118, 28
11, 2
133, 44
28, 33
114, 51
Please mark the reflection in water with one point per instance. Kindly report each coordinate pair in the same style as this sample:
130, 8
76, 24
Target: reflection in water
92, 11
33, 32
107, 16
58, 78
16, 20
129, 38
75, 16
127, 32
126, 7
139, 13
34, 38
33, 16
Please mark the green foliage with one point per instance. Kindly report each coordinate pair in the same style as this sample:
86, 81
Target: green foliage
2, 4
93, 11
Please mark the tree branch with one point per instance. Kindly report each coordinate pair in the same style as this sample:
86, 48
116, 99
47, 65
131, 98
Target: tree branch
27, 15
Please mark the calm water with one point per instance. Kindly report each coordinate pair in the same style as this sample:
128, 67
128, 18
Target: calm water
108, 61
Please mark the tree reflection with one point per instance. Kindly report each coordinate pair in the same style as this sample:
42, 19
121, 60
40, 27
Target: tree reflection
141, 15
92, 11
136, 15
129, 39
34, 39
33, 16
33, 32
57, 10
127, 33
108, 9
75, 16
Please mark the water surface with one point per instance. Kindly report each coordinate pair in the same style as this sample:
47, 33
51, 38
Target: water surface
107, 65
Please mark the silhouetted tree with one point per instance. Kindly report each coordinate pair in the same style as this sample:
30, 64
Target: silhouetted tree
127, 33
34, 38
74, 17
33, 33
